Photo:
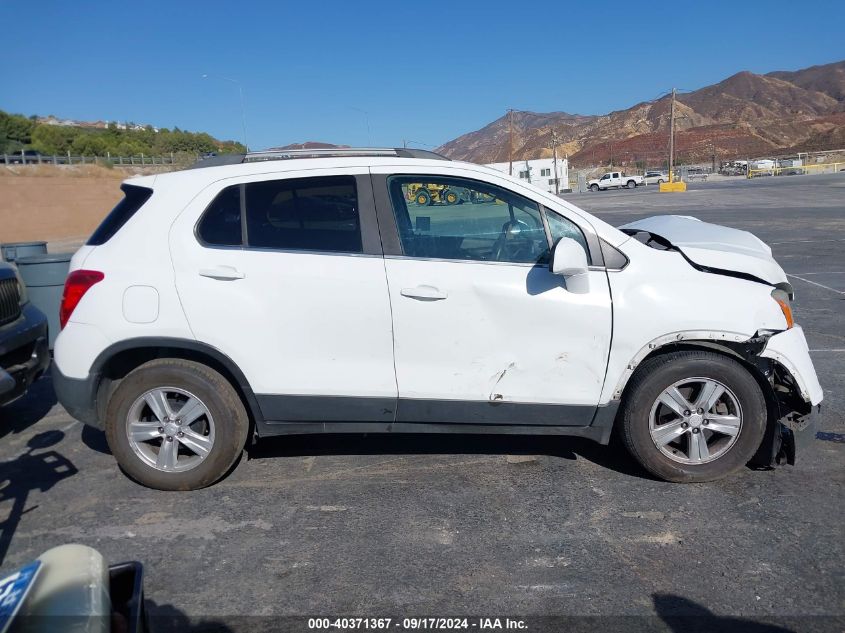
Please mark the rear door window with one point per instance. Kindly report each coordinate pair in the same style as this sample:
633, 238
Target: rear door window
310, 214
221, 223
134, 198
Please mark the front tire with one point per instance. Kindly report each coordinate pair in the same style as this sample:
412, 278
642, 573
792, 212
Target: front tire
174, 424
693, 416
423, 197
594, 187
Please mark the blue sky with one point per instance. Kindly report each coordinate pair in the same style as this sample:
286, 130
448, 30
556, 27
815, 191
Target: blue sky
423, 71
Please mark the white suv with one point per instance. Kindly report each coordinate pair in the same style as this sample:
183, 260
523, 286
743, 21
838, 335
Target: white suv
310, 292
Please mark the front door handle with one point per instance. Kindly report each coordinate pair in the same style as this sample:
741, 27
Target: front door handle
223, 273
424, 293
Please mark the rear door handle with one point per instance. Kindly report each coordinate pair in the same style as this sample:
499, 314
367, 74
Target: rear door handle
424, 293
224, 273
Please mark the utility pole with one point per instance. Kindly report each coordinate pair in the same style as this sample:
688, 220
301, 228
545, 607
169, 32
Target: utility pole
510, 141
672, 139
554, 153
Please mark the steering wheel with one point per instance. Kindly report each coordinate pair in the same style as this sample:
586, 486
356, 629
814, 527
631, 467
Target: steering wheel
515, 236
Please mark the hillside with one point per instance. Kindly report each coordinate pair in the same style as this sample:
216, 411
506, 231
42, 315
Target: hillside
744, 115
50, 135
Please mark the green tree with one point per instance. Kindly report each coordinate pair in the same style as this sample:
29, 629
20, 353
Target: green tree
53, 139
15, 131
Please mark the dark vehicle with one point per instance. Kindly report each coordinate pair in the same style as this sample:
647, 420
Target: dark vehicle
24, 353
27, 157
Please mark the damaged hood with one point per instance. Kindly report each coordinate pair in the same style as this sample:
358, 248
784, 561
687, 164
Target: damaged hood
713, 246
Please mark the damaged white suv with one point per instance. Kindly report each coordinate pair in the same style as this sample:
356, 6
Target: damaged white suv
351, 291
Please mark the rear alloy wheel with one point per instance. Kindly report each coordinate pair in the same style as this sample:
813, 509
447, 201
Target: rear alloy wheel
175, 424
170, 429
631, 184
693, 416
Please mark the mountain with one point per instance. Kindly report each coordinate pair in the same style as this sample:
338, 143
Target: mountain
309, 145
744, 115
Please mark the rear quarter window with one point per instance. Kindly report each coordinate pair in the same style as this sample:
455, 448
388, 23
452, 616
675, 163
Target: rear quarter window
134, 198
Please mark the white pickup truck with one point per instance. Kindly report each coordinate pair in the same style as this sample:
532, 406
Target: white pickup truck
615, 179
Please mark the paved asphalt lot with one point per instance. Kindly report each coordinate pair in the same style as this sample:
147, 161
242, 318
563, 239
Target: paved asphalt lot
426, 525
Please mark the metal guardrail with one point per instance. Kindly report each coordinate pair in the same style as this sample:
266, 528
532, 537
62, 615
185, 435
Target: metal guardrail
68, 159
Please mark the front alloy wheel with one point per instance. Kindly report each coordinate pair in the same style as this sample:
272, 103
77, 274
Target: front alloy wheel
692, 416
695, 421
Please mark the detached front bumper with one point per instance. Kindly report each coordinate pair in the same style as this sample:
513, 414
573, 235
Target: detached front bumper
24, 353
790, 349
799, 396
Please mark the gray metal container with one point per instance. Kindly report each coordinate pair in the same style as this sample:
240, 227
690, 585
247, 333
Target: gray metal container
13, 251
44, 276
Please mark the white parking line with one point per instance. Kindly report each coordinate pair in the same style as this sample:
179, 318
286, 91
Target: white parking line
839, 292
832, 272
828, 350
803, 242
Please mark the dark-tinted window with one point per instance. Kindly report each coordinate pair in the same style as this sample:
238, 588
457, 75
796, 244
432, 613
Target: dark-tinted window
314, 214
134, 198
221, 223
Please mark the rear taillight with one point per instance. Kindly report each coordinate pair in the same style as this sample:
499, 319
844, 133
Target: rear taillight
76, 285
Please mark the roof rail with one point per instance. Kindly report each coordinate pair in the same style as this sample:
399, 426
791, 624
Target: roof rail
287, 154
216, 161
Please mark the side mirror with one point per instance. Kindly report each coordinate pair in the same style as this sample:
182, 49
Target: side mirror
568, 258
570, 261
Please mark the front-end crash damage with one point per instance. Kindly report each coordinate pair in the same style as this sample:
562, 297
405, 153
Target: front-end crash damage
797, 396
794, 395
781, 361
781, 357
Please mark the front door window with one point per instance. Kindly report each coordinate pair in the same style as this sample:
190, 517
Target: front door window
454, 218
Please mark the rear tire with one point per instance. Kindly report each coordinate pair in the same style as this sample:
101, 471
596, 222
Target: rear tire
631, 184
681, 460
203, 449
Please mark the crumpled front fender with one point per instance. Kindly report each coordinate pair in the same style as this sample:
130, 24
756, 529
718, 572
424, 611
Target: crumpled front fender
789, 348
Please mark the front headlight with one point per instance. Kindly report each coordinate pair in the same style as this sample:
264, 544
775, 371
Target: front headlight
24, 295
783, 301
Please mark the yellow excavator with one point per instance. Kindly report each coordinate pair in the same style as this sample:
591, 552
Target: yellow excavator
425, 194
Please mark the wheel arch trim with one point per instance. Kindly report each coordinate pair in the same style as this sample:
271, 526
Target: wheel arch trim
175, 343
706, 339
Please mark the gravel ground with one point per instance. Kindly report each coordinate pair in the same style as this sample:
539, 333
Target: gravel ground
424, 525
